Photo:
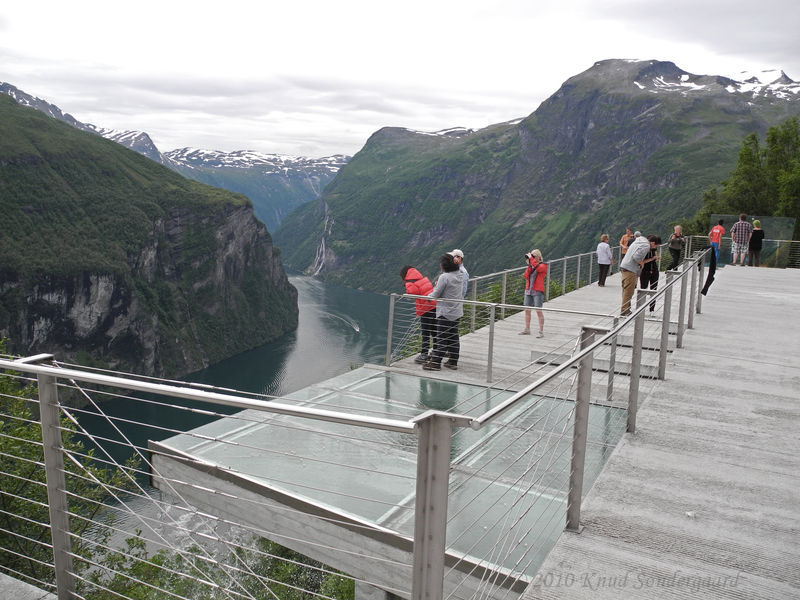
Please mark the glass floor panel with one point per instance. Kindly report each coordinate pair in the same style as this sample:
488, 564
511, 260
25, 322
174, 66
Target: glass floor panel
369, 474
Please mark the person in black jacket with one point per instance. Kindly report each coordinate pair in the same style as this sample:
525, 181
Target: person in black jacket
648, 278
756, 243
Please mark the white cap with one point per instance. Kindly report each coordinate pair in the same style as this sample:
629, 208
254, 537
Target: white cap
457, 253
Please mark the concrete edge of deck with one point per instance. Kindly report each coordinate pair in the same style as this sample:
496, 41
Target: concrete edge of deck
702, 501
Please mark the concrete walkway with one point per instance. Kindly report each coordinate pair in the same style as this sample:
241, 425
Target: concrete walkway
703, 501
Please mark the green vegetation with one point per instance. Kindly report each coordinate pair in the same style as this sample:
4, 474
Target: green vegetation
74, 202
130, 571
765, 182
85, 218
23, 494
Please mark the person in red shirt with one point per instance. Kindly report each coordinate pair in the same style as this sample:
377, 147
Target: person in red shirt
534, 276
426, 309
715, 237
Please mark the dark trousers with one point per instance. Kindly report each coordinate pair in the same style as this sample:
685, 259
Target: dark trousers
601, 279
427, 325
649, 281
755, 257
676, 257
446, 340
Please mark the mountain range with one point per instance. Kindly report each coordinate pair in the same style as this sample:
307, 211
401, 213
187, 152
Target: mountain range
623, 143
275, 183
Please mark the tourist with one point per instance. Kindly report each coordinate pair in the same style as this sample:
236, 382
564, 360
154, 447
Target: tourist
625, 240
449, 286
756, 243
458, 258
421, 286
630, 268
675, 245
648, 278
740, 235
604, 259
535, 276
715, 237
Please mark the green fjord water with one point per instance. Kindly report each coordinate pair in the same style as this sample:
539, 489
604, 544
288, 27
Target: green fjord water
339, 329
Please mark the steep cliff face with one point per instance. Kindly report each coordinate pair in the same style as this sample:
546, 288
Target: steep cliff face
177, 310
112, 260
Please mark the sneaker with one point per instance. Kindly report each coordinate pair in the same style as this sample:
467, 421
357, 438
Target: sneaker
421, 359
525, 332
451, 365
432, 365
540, 334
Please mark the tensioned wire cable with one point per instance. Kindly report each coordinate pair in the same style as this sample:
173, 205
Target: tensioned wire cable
523, 490
80, 467
534, 460
86, 433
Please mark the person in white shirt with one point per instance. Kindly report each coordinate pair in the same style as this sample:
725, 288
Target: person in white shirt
604, 259
458, 258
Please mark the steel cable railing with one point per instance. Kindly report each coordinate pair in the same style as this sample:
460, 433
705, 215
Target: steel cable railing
343, 456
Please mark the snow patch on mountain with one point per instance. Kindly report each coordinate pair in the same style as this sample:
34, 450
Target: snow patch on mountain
451, 132
768, 83
248, 159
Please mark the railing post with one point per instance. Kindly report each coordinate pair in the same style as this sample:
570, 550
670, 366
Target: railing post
430, 512
580, 433
701, 278
547, 286
662, 352
636, 363
591, 263
681, 310
490, 357
692, 290
392, 299
503, 290
578, 275
474, 308
612, 360
564, 277
56, 486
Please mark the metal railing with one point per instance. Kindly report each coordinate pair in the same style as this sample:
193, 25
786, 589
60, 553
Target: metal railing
775, 254
481, 488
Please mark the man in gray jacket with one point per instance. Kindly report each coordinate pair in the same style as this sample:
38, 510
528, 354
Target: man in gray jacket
449, 285
630, 268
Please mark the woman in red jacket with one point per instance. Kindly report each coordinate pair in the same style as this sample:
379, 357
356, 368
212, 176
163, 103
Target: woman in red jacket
426, 309
534, 276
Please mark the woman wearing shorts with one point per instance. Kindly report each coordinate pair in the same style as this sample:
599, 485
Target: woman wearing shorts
535, 276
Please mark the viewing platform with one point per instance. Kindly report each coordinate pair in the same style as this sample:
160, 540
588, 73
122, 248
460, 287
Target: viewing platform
704, 499
689, 476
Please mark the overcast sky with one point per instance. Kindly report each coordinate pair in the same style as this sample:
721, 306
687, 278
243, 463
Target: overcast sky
317, 77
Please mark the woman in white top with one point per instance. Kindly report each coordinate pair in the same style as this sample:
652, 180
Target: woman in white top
604, 259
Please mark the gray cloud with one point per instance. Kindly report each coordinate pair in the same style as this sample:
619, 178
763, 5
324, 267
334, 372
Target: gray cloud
766, 30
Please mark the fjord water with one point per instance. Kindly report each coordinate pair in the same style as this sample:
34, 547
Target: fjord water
339, 328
